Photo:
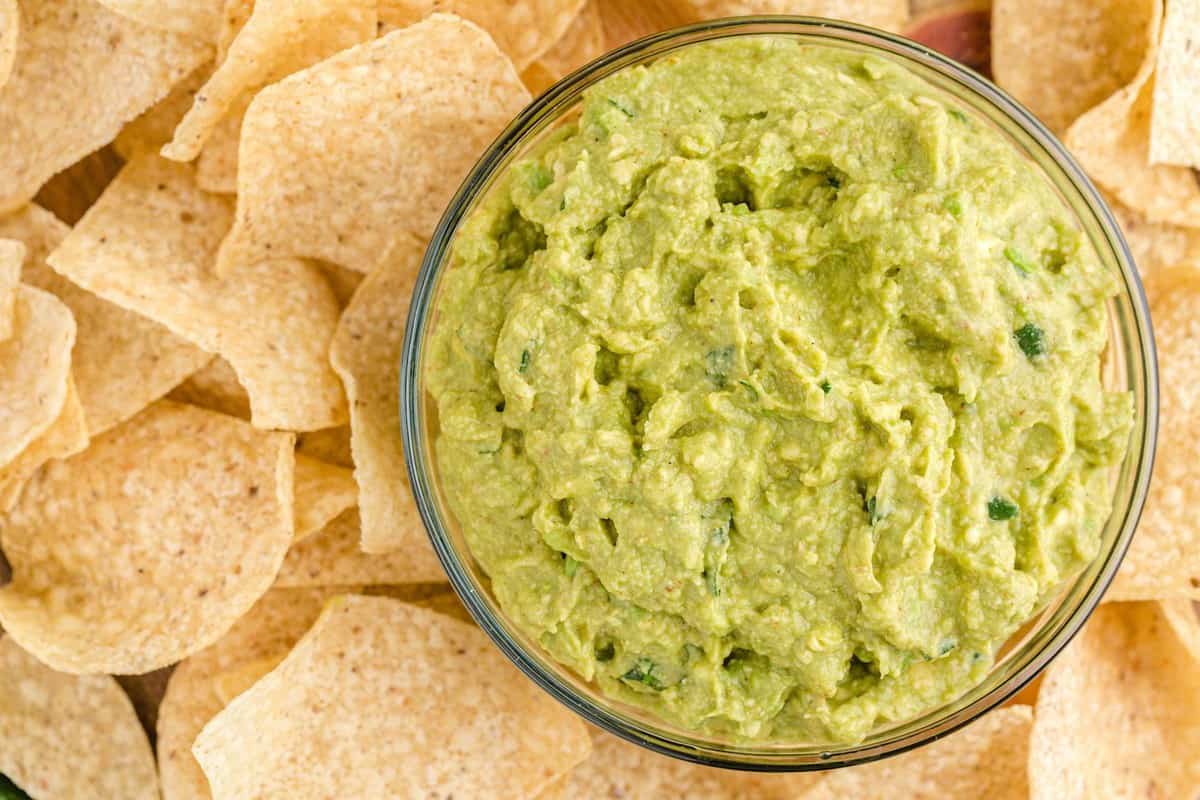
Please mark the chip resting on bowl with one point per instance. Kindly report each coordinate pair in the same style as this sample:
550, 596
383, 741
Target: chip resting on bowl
381, 698
68, 736
106, 70
340, 158
150, 544
147, 245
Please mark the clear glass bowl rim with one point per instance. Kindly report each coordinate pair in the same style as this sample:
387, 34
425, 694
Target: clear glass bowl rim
561, 98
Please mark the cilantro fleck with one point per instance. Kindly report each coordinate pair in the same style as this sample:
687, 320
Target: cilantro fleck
1018, 260
718, 364
624, 109
899, 170
1030, 339
643, 672
947, 645
750, 388
826, 387
953, 205
958, 114
834, 181
525, 358
1000, 509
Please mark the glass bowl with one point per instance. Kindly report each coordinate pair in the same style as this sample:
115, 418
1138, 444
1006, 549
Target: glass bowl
1130, 364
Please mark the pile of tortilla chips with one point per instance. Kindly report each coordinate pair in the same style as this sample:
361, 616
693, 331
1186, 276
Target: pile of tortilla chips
200, 466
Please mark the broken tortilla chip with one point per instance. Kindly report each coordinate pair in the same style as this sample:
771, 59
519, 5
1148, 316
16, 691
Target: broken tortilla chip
35, 366
65, 437
1163, 560
200, 19
1112, 143
106, 70
337, 174
523, 29
323, 491
432, 704
154, 128
280, 37
69, 736
890, 15
150, 544
215, 387
268, 630
331, 445
147, 245
1119, 712
1175, 121
1062, 58
366, 354
333, 556
121, 362
985, 759
12, 255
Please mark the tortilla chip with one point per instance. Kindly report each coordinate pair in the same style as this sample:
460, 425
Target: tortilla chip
334, 556
269, 629
889, 15
121, 362
215, 387
1119, 713
1163, 560
1184, 618
322, 491
147, 245
340, 158
154, 128
67, 436
234, 16
523, 29
88, 71
583, 42
331, 445
1175, 121
35, 365
1062, 58
232, 682
10, 29
280, 37
381, 698
66, 736
1155, 245
200, 19
12, 255
985, 759
216, 166
148, 545
366, 354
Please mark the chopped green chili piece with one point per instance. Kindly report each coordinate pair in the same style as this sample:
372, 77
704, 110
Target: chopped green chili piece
710, 579
605, 651
947, 645
826, 387
750, 388
718, 364
958, 114
1000, 509
1030, 339
1018, 260
624, 109
899, 170
525, 357
643, 672
953, 205
874, 512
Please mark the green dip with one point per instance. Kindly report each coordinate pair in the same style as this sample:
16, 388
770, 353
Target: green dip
770, 392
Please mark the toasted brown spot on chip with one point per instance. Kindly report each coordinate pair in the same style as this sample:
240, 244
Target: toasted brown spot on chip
69, 736
106, 70
434, 707
110, 548
338, 175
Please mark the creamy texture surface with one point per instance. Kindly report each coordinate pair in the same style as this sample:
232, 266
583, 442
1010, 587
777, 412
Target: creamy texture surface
769, 392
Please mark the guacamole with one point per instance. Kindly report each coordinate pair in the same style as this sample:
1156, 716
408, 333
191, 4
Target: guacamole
769, 392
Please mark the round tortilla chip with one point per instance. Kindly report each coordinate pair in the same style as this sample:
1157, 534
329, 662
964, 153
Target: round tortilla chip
106, 69
147, 245
339, 159
1062, 58
35, 366
890, 15
380, 699
322, 492
1119, 712
67, 736
334, 556
200, 19
523, 29
121, 361
1163, 560
150, 544
366, 354
280, 37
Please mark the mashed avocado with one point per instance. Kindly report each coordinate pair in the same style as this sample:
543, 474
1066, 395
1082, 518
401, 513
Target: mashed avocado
769, 392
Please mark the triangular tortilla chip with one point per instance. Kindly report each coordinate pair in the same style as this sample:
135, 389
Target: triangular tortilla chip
1175, 121
215, 387
333, 556
582, 42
